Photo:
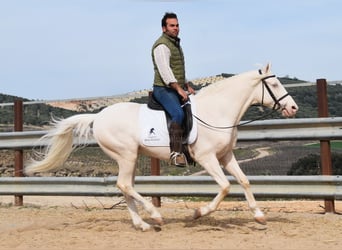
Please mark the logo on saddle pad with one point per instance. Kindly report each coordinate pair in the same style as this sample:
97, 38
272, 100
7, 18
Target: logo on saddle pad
152, 131
152, 137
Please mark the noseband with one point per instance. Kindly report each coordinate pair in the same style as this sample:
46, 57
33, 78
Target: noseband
276, 105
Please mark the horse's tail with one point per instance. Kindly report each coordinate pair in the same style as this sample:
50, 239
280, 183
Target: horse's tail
60, 142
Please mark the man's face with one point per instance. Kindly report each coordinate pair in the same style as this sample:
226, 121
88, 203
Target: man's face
172, 27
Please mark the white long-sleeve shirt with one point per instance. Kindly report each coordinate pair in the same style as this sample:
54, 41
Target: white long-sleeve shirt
162, 59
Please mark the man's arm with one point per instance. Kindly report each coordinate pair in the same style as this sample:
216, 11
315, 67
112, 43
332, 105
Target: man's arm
162, 58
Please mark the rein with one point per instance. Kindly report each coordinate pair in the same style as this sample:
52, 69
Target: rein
275, 107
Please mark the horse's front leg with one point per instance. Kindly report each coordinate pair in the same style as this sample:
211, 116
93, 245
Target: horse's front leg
232, 166
211, 165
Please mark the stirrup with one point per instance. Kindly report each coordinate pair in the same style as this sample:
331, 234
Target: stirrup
178, 159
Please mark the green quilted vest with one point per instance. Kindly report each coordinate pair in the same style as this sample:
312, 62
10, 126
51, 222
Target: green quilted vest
176, 60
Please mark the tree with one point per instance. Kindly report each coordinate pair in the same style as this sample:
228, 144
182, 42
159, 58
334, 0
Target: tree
311, 165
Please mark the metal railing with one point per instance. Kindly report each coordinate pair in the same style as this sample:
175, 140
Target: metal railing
275, 129
265, 186
314, 187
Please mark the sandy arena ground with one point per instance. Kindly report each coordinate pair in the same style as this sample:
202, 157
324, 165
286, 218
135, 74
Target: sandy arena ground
95, 223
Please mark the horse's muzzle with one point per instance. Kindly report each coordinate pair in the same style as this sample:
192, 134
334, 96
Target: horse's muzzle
289, 111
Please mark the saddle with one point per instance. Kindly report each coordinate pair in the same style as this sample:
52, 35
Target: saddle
186, 126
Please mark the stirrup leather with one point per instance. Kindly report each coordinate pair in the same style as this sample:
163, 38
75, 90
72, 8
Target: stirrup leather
178, 159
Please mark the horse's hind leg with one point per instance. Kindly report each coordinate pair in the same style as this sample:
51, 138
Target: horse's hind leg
125, 183
232, 166
133, 211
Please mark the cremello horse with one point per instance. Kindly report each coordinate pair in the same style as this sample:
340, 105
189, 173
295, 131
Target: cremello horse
222, 104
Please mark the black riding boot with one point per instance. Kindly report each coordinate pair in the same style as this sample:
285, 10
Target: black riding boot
177, 158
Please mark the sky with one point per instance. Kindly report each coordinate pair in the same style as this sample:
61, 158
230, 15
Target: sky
65, 49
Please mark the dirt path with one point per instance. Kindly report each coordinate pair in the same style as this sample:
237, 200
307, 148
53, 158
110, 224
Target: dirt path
262, 152
85, 223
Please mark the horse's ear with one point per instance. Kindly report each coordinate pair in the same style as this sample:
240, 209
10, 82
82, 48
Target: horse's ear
268, 68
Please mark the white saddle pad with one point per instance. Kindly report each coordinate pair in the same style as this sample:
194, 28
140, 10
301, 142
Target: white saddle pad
153, 128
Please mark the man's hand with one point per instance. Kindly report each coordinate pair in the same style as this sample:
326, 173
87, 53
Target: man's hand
190, 90
181, 92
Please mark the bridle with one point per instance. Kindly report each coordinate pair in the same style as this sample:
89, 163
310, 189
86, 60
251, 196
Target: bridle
275, 107
265, 85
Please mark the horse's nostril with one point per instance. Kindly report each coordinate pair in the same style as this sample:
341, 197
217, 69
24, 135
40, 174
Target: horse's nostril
294, 107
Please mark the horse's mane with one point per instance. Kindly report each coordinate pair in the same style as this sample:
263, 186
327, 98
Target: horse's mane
220, 84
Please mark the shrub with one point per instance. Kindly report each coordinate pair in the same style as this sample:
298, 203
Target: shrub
311, 165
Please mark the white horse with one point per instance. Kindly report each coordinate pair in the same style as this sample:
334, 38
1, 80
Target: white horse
221, 104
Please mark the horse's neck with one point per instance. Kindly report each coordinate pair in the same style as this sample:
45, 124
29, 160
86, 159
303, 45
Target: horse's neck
227, 101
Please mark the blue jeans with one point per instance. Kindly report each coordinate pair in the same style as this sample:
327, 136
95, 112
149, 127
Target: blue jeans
169, 99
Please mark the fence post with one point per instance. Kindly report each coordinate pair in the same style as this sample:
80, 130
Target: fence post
325, 149
155, 170
18, 153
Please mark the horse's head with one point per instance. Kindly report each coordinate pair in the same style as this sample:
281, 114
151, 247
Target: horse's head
274, 95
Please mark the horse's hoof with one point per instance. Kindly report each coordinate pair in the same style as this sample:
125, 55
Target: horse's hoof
197, 214
146, 228
159, 221
143, 227
260, 219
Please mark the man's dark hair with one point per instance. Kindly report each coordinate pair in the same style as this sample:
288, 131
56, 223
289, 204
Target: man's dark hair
166, 16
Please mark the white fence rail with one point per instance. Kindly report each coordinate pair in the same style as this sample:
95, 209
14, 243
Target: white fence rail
314, 187
262, 186
276, 129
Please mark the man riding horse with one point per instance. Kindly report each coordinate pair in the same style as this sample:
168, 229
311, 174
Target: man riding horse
169, 86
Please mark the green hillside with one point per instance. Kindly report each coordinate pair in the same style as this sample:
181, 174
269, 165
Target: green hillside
306, 98
34, 114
